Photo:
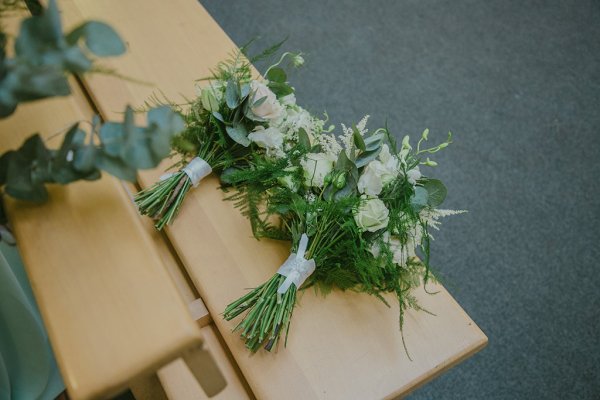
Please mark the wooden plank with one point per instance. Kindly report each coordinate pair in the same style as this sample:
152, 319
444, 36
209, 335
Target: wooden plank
180, 382
111, 309
344, 335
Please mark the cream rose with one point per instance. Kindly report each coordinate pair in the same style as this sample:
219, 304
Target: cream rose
316, 166
372, 215
269, 109
270, 139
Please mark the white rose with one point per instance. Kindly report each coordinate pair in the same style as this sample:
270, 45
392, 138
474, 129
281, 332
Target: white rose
372, 215
378, 173
270, 108
270, 139
316, 167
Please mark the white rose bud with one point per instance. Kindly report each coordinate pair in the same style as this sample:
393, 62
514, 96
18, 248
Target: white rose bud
316, 166
413, 175
269, 109
372, 215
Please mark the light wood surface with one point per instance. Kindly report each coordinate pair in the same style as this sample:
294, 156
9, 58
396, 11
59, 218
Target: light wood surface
110, 308
343, 346
208, 364
180, 382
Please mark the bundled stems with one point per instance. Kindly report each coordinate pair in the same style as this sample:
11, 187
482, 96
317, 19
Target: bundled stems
268, 316
162, 200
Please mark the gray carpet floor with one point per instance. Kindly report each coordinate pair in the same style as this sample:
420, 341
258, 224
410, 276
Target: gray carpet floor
518, 83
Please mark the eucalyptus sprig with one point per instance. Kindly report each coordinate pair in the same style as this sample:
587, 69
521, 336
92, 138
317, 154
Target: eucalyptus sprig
44, 55
119, 148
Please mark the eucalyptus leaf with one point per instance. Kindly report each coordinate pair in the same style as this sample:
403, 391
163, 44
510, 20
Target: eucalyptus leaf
116, 167
367, 157
244, 91
218, 116
374, 142
100, 38
418, 200
239, 134
231, 94
436, 192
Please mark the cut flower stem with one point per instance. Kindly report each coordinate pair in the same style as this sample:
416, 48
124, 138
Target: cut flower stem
268, 313
162, 200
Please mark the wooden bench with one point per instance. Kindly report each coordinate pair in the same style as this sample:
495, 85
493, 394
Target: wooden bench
343, 346
115, 305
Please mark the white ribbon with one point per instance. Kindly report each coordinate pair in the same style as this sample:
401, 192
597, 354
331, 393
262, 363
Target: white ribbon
196, 170
296, 268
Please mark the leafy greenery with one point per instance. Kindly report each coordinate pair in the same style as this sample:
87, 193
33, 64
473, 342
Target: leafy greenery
44, 56
117, 148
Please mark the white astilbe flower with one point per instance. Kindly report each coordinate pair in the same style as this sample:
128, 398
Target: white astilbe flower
347, 138
431, 217
329, 144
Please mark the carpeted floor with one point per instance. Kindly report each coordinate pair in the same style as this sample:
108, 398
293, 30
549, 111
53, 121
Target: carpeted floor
518, 83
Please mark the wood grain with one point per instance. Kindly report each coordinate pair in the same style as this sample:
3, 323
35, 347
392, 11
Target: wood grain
111, 310
344, 346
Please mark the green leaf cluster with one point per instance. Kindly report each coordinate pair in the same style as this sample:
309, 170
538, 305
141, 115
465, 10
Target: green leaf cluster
117, 148
44, 55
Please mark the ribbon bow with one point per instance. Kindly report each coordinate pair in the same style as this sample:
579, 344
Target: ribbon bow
296, 268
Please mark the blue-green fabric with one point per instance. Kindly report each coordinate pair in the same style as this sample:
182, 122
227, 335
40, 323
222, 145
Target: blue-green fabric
28, 370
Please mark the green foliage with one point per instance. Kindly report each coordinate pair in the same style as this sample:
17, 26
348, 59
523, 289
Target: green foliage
44, 54
120, 149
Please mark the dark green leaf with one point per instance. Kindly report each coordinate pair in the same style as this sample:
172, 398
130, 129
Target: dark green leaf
303, 139
280, 89
276, 74
358, 139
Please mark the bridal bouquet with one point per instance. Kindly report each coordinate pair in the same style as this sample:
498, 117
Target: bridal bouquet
231, 111
356, 207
